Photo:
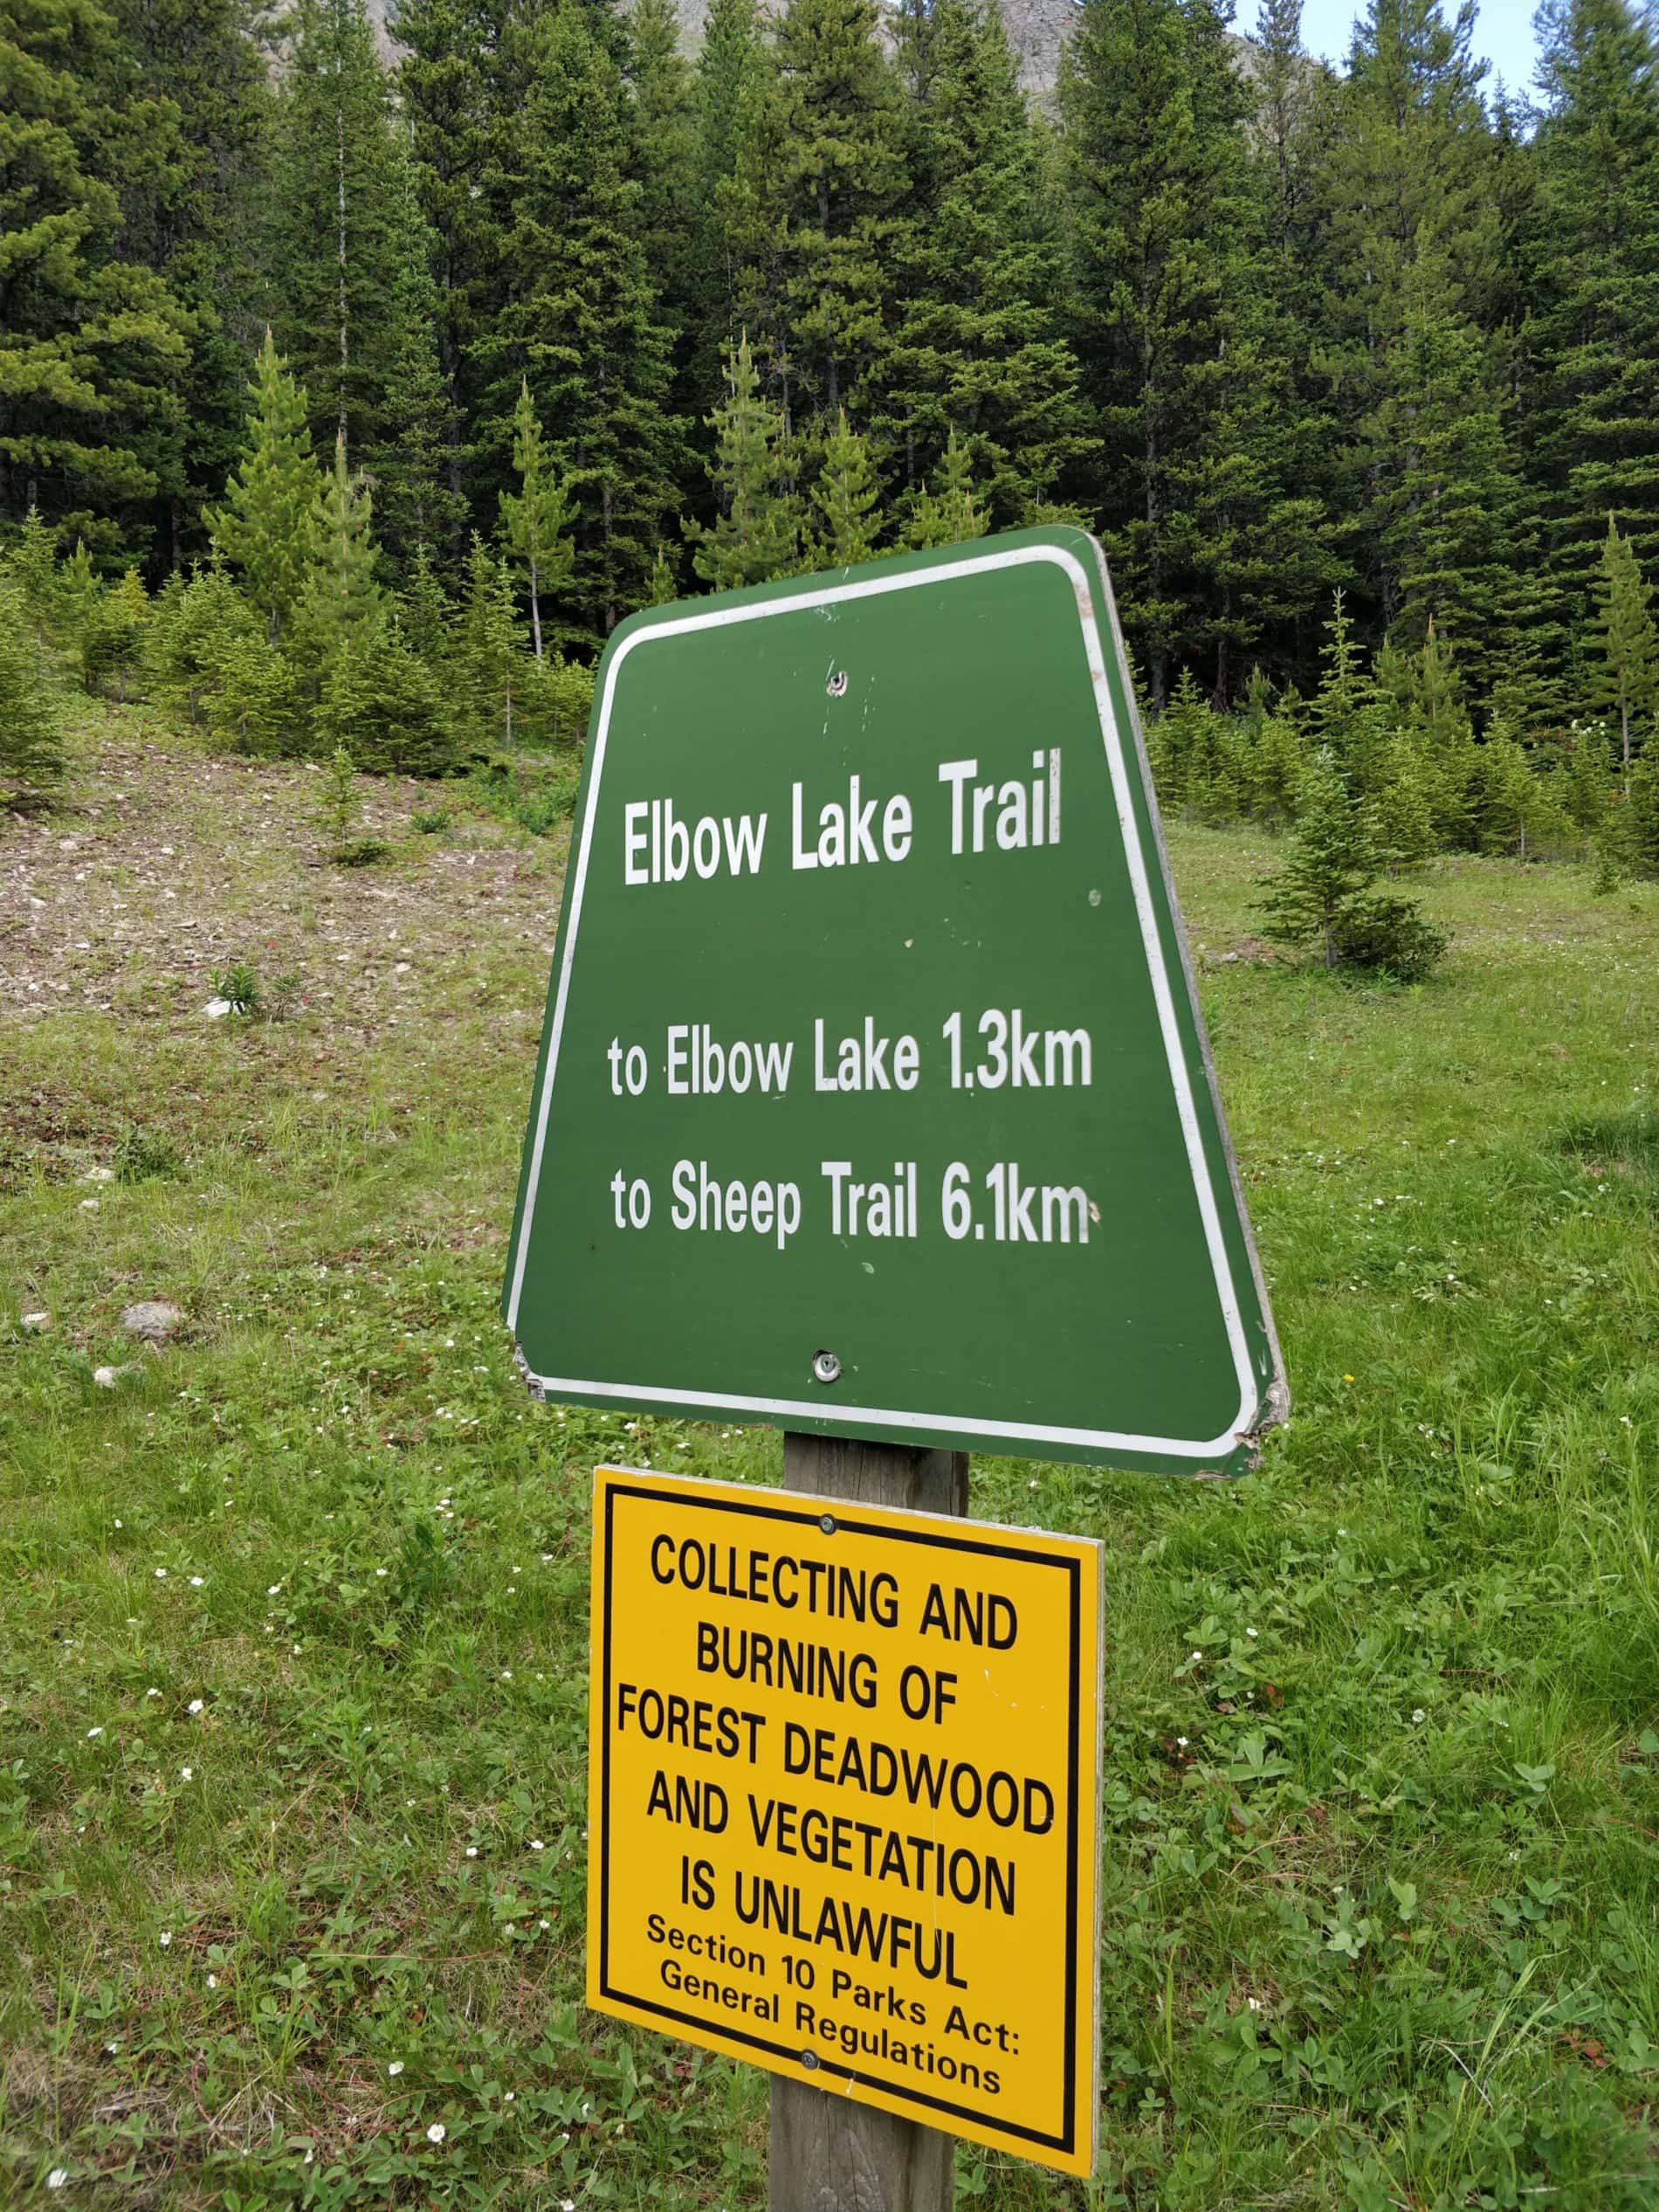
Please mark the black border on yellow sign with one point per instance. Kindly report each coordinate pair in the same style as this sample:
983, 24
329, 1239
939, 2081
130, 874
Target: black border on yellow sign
947, 1537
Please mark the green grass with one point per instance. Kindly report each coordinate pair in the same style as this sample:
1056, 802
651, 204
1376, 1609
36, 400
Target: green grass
293, 1618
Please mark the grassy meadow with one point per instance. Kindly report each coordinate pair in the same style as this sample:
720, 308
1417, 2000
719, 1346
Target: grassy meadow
293, 1612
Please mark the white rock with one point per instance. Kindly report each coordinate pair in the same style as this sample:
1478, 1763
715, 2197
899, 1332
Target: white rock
217, 1008
99, 1175
153, 1319
34, 1323
107, 1378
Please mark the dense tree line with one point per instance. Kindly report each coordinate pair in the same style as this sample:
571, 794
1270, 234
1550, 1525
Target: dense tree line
363, 365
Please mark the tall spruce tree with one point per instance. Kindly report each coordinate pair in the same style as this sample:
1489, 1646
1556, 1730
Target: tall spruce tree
580, 317
450, 102
346, 234
1208, 542
1594, 433
977, 347
268, 525
536, 518
840, 180
190, 213
1410, 270
93, 343
756, 533
733, 71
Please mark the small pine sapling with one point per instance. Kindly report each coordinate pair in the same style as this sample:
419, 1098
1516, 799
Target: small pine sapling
946, 512
31, 752
1334, 854
537, 518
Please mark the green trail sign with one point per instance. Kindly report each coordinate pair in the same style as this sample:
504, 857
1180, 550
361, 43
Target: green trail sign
873, 1096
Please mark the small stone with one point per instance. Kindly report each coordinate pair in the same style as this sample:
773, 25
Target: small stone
152, 1319
107, 1378
99, 1175
33, 1324
217, 1008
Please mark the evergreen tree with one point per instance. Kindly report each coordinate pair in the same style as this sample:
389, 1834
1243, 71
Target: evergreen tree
344, 240
845, 500
340, 598
382, 704
92, 344
1628, 678
450, 105
190, 213
841, 177
733, 74
32, 567
32, 755
490, 646
1594, 431
947, 512
1188, 762
1410, 264
1334, 854
1208, 542
580, 318
665, 132
535, 518
411, 459
268, 525
977, 348
756, 534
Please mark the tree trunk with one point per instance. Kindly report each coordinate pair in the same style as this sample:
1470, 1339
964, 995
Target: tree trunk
535, 606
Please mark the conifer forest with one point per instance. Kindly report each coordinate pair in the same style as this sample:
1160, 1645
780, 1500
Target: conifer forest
356, 380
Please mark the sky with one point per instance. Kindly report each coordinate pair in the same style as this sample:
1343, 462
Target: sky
1504, 34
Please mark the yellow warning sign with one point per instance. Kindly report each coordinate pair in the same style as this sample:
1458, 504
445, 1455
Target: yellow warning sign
843, 1784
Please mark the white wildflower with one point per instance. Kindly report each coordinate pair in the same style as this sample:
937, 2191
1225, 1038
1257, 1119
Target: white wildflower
436, 2132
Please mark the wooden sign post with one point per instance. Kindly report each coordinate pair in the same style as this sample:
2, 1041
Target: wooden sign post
827, 2153
874, 1103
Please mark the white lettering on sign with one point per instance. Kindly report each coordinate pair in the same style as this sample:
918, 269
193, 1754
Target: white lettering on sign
1004, 814
659, 847
1015, 814
861, 1063
846, 834
699, 1066
702, 1203
872, 1208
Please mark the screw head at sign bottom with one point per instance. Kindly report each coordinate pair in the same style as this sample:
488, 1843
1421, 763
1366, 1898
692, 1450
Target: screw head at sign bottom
809, 2060
825, 1368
